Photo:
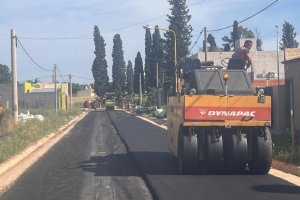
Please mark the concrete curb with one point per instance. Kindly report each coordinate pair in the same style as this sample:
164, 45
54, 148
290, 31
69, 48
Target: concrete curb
285, 167
17, 165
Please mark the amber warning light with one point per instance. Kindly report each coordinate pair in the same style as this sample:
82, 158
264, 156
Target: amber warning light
225, 77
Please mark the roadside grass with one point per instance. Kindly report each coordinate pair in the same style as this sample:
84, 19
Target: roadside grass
29, 132
284, 151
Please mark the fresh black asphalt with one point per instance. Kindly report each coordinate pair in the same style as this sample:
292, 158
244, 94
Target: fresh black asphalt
148, 144
92, 162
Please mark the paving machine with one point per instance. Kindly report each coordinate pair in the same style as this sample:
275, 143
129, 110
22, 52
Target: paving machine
217, 123
110, 100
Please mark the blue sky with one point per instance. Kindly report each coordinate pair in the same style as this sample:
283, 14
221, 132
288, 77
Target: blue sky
36, 20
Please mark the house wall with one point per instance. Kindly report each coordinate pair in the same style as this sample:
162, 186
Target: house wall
263, 61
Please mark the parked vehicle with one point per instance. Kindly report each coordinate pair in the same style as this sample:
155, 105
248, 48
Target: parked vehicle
88, 103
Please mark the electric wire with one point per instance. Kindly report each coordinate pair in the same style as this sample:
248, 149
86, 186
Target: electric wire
260, 11
196, 41
30, 57
43, 77
82, 77
57, 38
128, 26
113, 30
63, 80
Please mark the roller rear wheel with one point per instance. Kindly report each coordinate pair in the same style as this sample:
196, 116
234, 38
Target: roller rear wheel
235, 152
187, 152
213, 163
262, 152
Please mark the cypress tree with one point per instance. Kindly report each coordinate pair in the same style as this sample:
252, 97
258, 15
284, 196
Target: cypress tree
226, 47
157, 54
138, 70
148, 60
5, 74
259, 42
236, 34
212, 43
99, 68
179, 23
129, 78
118, 67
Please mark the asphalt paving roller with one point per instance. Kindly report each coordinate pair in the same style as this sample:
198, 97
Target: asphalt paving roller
218, 123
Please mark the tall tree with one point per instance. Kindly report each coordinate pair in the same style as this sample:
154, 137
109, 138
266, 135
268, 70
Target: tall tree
99, 67
259, 42
5, 74
148, 59
178, 24
118, 67
227, 47
288, 39
157, 54
138, 72
129, 78
238, 33
212, 43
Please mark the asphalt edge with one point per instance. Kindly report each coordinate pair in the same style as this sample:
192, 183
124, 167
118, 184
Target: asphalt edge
17, 159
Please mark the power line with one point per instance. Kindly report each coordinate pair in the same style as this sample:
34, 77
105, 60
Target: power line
43, 77
246, 18
196, 41
82, 77
63, 80
84, 37
58, 38
30, 57
258, 12
139, 23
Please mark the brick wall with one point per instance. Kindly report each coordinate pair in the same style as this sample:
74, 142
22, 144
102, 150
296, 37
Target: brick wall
291, 53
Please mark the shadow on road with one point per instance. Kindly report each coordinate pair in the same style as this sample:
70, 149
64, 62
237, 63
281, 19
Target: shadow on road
277, 188
154, 163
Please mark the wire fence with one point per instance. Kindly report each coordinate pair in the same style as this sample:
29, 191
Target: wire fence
284, 149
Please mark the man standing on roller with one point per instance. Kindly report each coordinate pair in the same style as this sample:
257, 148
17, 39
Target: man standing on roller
241, 59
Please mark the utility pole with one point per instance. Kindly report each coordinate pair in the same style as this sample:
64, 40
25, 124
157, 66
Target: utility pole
205, 44
15, 109
157, 99
278, 104
277, 55
141, 97
71, 103
55, 87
